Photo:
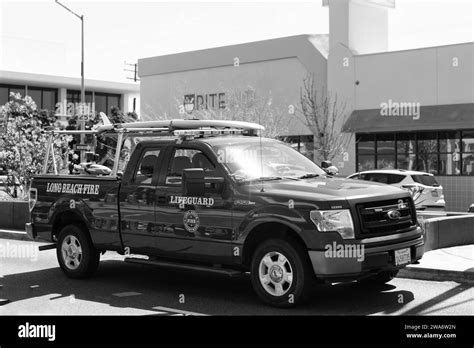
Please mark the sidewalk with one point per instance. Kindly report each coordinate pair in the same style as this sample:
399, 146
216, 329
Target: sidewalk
448, 264
453, 264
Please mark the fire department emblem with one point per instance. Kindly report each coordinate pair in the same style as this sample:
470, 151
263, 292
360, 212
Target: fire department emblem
191, 221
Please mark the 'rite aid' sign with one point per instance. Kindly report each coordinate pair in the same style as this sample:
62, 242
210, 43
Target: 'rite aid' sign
194, 102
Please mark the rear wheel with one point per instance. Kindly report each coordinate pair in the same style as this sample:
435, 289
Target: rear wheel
76, 254
281, 273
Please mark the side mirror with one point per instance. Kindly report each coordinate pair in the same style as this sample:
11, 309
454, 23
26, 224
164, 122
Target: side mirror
193, 182
326, 164
332, 170
196, 184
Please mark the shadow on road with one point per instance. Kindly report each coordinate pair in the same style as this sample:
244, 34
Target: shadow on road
203, 293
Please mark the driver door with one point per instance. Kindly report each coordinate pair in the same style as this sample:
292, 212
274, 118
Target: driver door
193, 227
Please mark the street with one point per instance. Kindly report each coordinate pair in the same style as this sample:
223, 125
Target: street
34, 285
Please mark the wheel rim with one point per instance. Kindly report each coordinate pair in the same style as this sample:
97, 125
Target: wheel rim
275, 273
71, 251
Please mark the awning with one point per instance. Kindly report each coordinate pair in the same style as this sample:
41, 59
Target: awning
433, 117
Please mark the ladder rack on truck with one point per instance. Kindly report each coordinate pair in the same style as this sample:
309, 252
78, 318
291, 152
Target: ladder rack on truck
179, 128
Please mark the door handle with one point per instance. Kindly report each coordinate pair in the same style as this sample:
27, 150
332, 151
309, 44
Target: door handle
141, 226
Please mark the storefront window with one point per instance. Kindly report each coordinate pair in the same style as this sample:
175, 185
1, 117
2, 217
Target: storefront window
449, 164
439, 153
406, 143
365, 162
366, 145
428, 162
468, 164
468, 141
20, 90
45, 98
307, 146
301, 143
449, 153
49, 99
406, 161
5, 91
101, 103
3, 95
75, 96
113, 100
35, 94
386, 151
104, 102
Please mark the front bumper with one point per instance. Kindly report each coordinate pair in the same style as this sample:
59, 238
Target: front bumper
368, 260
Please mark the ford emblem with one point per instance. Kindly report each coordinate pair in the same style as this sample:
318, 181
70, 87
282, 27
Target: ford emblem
393, 214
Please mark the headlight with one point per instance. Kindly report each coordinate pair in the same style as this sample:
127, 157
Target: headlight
334, 220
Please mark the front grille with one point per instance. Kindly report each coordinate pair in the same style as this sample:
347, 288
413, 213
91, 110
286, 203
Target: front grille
375, 217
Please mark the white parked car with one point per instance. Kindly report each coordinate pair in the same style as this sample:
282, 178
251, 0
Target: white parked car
426, 192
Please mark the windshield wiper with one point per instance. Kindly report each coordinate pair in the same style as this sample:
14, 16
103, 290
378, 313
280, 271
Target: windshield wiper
309, 175
265, 178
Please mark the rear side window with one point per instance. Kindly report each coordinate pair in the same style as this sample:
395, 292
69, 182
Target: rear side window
147, 166
376, 177
426, 180
395, 178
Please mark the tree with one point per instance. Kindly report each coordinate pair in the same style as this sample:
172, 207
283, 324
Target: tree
23, 142
324, 115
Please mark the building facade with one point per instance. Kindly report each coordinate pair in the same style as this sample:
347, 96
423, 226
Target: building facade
411, 109
60, 94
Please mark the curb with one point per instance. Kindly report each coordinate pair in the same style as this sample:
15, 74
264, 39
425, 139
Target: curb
433, 274
13, 234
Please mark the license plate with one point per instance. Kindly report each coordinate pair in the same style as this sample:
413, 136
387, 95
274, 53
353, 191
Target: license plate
402, 256
434, 193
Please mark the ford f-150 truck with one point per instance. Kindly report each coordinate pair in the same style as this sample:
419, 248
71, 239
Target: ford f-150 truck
215, 196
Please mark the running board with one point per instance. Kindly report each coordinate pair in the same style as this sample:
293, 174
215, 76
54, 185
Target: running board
47, 247
182, 266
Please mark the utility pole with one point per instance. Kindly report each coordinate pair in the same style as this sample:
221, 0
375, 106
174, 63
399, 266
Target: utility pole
134, 71
82, 117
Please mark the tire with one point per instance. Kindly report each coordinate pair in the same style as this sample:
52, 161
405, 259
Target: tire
76, 255
281, 273
379, 279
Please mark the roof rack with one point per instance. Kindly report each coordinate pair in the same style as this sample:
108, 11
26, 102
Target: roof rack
177, 127
172, 127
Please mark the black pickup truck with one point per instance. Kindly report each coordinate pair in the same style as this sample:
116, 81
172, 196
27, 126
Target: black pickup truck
206, 199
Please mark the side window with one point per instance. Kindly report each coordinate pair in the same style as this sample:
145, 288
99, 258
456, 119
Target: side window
395, 178
184, 159
146, 167
376, 177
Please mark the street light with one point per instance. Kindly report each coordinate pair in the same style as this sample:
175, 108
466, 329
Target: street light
83, 92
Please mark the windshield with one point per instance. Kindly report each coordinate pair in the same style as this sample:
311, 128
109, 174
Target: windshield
270, 160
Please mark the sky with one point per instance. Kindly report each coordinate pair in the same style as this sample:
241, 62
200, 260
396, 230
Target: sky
42, 37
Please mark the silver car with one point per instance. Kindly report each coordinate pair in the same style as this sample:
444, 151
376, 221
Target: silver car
426, 192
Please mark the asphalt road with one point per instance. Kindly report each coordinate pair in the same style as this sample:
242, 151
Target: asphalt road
34, 284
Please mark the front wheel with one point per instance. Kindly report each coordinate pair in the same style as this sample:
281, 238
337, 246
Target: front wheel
281, 273
76, 254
